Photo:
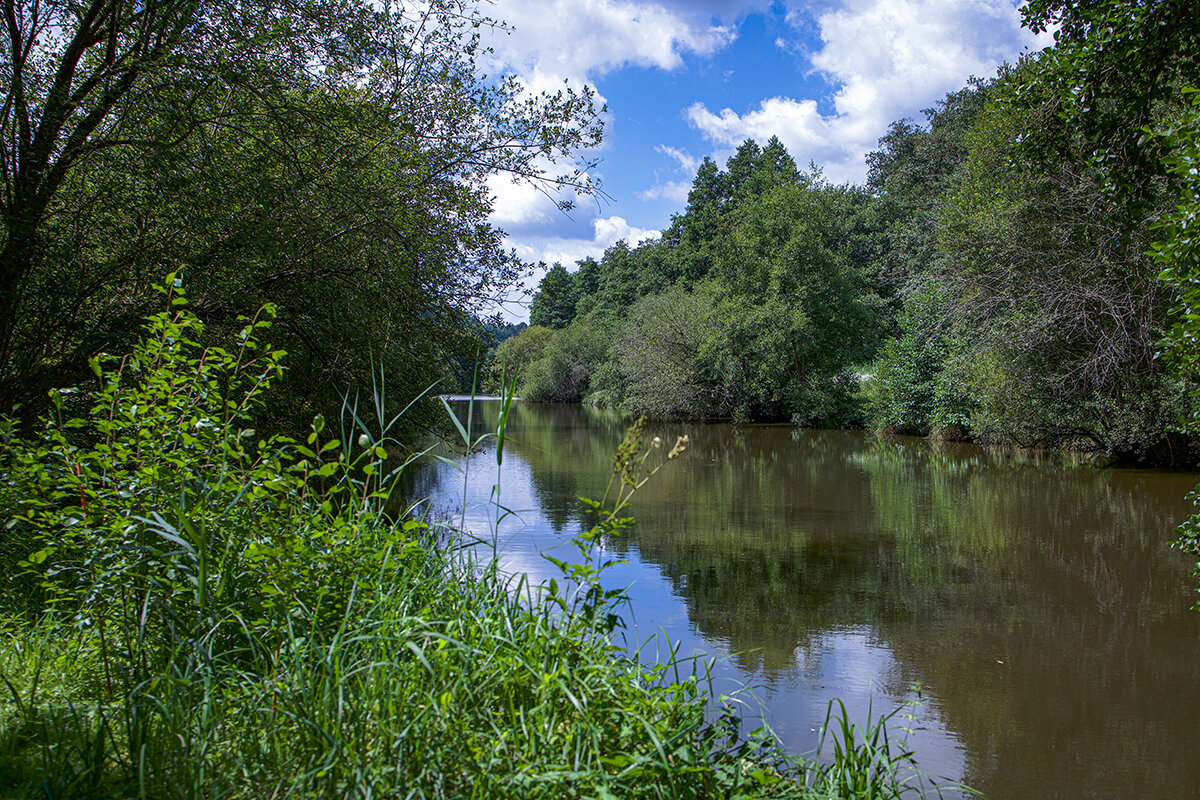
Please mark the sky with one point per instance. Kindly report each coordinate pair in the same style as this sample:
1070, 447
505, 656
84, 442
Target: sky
685, 79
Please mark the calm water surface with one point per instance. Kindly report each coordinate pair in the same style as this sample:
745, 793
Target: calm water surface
1035, 603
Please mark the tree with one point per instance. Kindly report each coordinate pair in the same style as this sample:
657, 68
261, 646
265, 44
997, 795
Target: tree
800, 313
1178, 252
571, 357
554, 304
514, 355
1115, 66
68, 69
693, 233
587, 286
619, 278
319, 154
919, 384
738, 179
659, 353
1061, 298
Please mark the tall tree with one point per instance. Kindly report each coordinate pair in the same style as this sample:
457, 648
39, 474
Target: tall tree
554, 304
318, 154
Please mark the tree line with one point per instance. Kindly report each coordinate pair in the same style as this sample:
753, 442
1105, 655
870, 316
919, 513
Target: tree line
995, 279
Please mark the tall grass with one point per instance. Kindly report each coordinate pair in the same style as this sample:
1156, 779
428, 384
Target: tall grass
207, 614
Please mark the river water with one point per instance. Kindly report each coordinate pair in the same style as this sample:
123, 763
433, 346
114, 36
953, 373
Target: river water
1027, 612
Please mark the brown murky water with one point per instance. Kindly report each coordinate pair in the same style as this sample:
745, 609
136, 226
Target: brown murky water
1028, 610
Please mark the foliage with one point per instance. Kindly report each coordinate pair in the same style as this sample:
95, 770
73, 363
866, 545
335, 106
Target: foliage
915, 387
325, 157
564, 372
755, 303
226, 617
801, 314
910, 175
661, 355
554, 304
1178, 252
114, 503
989, 269
1061, 299
514, 355
1116, 65
864, 766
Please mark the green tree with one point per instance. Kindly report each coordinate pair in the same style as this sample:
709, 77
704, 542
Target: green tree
571, 358
554, 304
737, 182
1178, 252
659, 354
619, 278
514, 355
692, 234
297, 154
801, 313
1066, 315
587, 283
915, 387
1116, 65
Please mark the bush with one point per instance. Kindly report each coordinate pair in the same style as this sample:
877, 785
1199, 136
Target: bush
921, 380
514, 355
564, 373
659, 355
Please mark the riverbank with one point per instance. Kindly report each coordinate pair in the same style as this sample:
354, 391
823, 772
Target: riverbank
1032, 597
1175, 451
193, 611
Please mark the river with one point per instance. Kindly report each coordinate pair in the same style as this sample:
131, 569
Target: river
1025, 610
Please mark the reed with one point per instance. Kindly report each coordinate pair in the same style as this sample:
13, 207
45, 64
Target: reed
209, 614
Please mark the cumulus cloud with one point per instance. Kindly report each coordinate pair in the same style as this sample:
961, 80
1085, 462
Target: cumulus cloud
518, 204
885, 58
548, 42
606, 231
581, 39
675, 190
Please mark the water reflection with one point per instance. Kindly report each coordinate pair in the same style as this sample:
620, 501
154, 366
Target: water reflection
1036, 601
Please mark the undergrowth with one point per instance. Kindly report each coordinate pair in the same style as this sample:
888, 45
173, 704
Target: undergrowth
193, 611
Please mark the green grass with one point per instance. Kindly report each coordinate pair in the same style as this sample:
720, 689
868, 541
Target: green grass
196, 612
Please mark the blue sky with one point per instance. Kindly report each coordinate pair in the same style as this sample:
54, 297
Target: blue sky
685, 79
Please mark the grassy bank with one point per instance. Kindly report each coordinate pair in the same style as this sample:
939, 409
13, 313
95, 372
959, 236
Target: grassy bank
193, 611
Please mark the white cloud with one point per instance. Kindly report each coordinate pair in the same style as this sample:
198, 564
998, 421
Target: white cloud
671, 190
552, 41
677, 190
525, 207
606, 232
687, 162
519, 204
886, 57
580, 39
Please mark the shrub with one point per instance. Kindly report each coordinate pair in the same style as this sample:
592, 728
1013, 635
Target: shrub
564, 372
922, 377
659, 355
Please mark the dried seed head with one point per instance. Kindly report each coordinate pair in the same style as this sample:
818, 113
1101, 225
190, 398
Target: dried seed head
680, 445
